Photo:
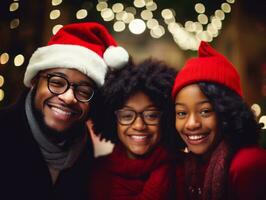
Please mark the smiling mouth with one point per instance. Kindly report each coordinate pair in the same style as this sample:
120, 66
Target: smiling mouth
139, 138
196, 138
62, 112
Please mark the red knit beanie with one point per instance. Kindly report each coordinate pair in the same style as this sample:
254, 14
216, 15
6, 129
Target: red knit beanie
210, 66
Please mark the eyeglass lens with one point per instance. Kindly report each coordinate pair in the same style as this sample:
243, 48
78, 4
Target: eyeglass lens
59, 85
150, 117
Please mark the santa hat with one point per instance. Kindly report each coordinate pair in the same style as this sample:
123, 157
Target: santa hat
210, 66
87, 47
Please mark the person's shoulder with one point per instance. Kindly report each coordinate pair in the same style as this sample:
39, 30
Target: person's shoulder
249, 158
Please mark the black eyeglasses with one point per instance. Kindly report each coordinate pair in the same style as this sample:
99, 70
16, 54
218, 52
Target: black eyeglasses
127, 117
58, 85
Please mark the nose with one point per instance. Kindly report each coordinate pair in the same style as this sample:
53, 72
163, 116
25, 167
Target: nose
139, 123
193, 122
68, 97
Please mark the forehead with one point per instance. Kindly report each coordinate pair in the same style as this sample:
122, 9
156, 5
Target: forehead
139, 101
190, 95
72, 75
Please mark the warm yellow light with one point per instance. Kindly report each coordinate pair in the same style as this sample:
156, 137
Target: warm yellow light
216, 23
2, 94
202, 18
139, 3
226, 7
4, 58
168, 21
56, 28
131, 10
120, 16
151, 23
14, 23
167, 14
118, 7
137, 26
54, 14
199, 27
19, 60
2, 80
157, 32
200, 8
146, 14
128, 18
256, 109
107, 13
230, 1
119, 26
204, 36
13, 7
172, 27
152, 6
101, 5
56, 2
190, 26
220, 14
81, 14
263, 120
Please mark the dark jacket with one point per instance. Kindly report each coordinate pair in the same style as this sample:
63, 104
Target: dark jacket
24, 173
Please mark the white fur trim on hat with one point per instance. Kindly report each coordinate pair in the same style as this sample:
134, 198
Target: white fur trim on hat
115, 57
66, 56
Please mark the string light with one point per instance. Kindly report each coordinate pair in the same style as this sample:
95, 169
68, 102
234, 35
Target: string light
2, 80
2, 94
81, 14
56, 28
19, 60
4, 58
187, 36
263, 121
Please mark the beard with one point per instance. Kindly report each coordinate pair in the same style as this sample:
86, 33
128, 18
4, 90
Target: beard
65, 138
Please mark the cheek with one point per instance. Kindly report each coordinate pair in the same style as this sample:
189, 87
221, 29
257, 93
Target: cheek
41, 95
121, 131
178, 125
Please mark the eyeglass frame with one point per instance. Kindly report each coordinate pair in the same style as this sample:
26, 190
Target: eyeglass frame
69, 84
137, 114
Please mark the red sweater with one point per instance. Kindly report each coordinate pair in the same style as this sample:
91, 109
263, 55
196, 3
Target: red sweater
117, 177
246, 180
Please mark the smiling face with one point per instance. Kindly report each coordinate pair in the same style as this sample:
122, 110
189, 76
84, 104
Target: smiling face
196, 121
61, 112
138, 137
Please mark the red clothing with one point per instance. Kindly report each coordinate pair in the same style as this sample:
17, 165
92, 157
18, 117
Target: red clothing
118, 177
248, 174
246, 179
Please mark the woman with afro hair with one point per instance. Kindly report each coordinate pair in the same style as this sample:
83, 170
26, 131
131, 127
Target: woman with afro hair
219, 130
138, 118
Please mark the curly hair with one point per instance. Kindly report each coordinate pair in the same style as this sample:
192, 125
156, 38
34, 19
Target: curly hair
153, 78
236, 122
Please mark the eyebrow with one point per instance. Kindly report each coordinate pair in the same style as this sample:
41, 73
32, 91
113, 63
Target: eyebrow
147, 107
87, 82
199, 103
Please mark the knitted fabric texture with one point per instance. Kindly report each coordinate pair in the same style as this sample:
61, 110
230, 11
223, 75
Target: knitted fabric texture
210, 66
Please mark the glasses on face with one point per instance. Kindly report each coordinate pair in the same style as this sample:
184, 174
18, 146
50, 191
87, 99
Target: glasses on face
58, 85
127, 117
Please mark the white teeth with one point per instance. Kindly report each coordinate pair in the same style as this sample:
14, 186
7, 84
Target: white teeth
138, 137
195, 137
60, 111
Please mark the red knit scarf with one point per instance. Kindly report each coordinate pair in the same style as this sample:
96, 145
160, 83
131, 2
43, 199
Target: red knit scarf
147, 178
123, 166
210, 183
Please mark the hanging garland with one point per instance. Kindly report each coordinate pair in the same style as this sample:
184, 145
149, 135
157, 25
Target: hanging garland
187, 36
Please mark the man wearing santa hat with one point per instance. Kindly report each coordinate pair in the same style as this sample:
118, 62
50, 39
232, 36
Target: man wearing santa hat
46, 146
